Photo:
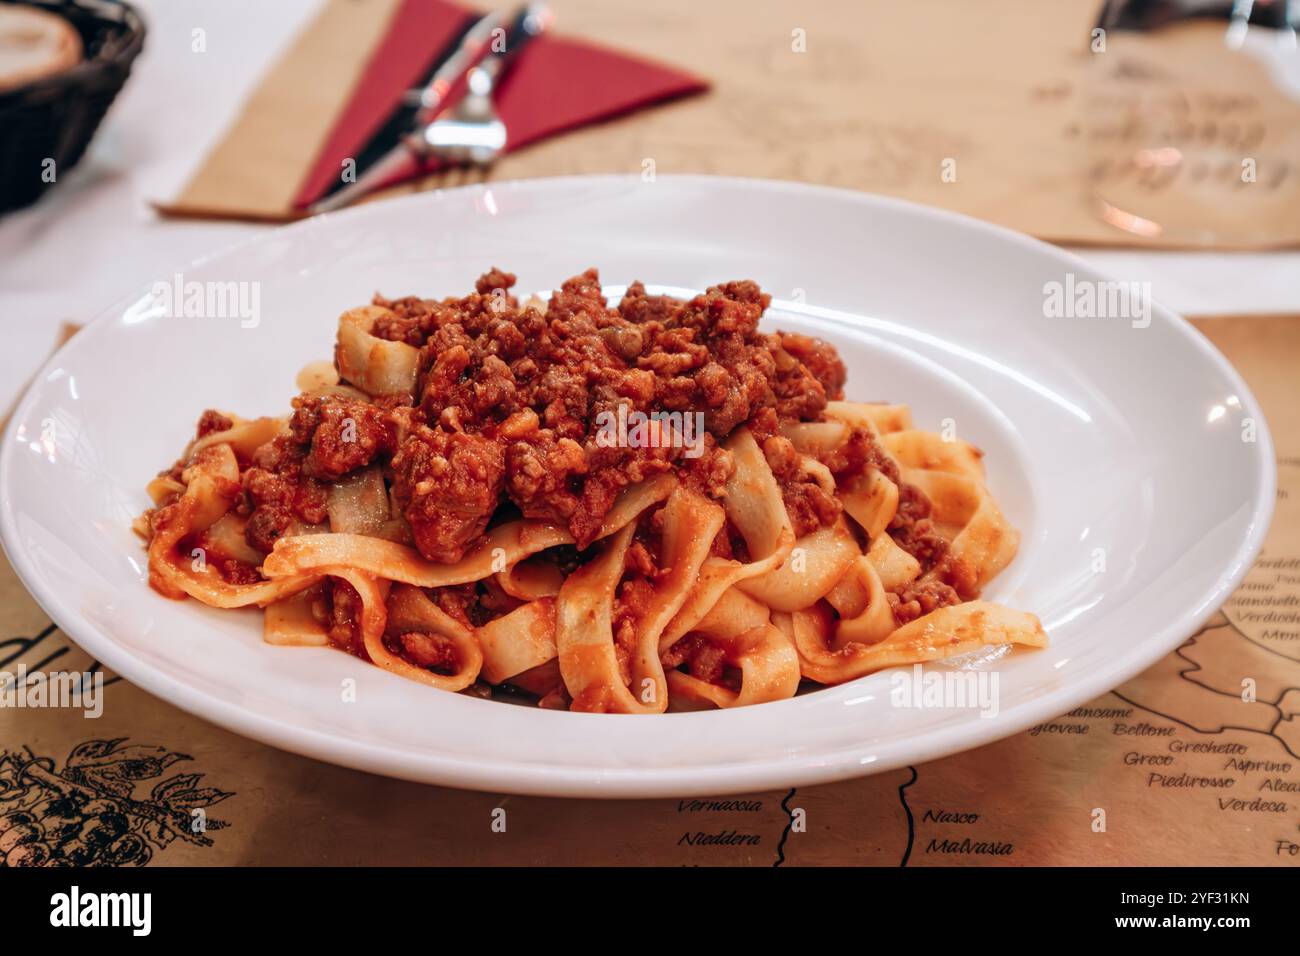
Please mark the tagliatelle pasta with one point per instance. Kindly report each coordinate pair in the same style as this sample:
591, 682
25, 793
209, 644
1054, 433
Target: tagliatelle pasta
624, 509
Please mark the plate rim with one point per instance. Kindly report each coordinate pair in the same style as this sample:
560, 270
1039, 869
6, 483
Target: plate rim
571, 780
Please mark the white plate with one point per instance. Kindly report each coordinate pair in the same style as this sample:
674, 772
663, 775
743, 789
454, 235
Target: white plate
1117, 450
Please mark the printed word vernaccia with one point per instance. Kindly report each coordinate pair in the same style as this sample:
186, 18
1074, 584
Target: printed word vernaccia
74, 690
628, 428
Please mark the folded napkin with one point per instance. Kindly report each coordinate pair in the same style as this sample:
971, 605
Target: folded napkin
341, 81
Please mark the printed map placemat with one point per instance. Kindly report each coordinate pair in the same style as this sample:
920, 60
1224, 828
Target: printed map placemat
1179, 766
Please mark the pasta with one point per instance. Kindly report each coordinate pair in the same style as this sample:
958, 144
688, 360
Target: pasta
616, 509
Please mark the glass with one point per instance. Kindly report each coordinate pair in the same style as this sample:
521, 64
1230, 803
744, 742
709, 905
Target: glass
1191, 124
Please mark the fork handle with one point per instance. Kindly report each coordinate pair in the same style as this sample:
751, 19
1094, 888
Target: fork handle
530, 22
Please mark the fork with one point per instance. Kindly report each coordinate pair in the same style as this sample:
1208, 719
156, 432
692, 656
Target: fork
469, 132
473, 132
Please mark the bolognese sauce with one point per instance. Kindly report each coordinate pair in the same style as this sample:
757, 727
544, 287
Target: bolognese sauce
504, 422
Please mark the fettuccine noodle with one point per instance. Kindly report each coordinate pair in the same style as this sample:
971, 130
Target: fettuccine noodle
462, 501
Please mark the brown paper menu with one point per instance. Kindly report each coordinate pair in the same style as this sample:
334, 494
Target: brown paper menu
1182, 769
999, 109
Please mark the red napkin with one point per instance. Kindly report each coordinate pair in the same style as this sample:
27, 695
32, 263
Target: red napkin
555, 84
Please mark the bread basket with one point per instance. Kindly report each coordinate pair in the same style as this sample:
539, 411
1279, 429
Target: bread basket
54, 117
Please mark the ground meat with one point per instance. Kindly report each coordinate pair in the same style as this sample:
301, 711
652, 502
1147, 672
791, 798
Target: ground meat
707, 354
544, 476
708, 473
237, 572
913, 506
820, 360
703, 659
921, 597
342, 434
456, 601
396, 328
732, 308
962, 576
722, 546
639, 308
735, 385
538, 386
344, 627
433, 651
577, 298
275, 499
265, 526
809, 505
512, 403
922, 542
473, 604
209, 422
449, 484
641, 560
410, 320
912, 529
799, 393
494, 279
491, 602
212, 421
282, 456
613, 469
859, 453
636, 597
310, 501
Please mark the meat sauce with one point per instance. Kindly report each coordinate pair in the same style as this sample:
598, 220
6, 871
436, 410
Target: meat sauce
505, 420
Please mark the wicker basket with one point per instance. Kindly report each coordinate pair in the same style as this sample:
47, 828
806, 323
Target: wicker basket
55, 117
